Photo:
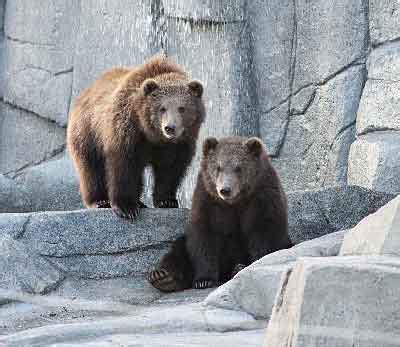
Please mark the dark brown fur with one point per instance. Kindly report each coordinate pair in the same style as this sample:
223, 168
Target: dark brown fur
222, 235
114, 132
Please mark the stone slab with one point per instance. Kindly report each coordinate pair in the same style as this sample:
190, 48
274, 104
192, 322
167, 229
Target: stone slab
384, 62
374, 162
384, 20
376, 234
337, 301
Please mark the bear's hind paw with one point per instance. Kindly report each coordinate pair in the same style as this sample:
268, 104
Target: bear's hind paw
130, 212
163, 280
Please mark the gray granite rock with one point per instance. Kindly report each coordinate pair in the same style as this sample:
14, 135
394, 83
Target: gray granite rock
384, 16
333, 302
39, 56
374, 162
273, 126
272, 29
26, 139
23, 270
301, 101
315, 213
254, 289
113, 33
384, 62
182, 318
49, 186
132, 290
316, 144
2, 7
379, 107
376, 234
206, 10
330, 36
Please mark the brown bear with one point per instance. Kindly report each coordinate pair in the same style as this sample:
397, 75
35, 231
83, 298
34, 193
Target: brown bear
238, 215
131, 118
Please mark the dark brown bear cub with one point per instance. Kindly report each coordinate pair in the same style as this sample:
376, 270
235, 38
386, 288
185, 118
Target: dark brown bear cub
238, 215
128, 119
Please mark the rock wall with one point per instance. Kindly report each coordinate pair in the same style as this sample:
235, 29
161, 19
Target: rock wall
317, 80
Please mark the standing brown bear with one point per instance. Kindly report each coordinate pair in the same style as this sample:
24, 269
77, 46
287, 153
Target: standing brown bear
238, 215
131, 118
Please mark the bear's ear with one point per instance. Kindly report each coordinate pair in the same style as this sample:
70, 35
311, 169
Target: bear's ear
254, 145
149, 86
196, 88
209, 144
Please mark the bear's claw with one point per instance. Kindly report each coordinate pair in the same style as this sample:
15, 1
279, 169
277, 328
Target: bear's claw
162, 280
203, 284
168, 203
126, 212
103, 204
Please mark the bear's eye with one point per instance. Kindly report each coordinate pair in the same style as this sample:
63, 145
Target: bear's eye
181, 109
163, 110
238, 169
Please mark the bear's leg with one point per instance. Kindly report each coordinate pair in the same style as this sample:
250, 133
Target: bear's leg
90, 168
203, 246
124, 180
174, 272
168, 175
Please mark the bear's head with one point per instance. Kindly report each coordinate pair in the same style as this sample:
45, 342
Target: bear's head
174, 109
232, 167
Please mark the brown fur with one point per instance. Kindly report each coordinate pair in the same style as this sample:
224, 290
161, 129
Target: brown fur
114, 132
223, 236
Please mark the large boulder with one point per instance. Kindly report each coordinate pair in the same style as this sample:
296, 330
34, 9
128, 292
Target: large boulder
379, 233
374, 160
337, 301
23, 270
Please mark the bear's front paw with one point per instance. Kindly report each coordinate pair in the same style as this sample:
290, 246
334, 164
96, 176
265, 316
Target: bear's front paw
203, 284
103, 204
167, 203
129, 212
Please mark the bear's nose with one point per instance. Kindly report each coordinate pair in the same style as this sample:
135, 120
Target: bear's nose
226, 191
170, 129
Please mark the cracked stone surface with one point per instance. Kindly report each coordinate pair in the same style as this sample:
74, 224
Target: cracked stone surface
384, 20
304, 315
317, 143
49, 186
324, 33
26, 139
38, 63
23, 270
374, 161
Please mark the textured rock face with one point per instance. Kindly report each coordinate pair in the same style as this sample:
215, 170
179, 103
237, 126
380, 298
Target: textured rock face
315, 213
313, 306
23, 270
379, 233
26, 139
374, 162
384, 20
39, 56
